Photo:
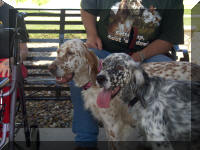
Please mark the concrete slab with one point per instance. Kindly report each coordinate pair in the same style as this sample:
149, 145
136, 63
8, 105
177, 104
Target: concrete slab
57, 134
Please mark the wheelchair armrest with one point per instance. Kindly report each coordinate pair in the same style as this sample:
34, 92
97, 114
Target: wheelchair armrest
3, 82
176, 49
185, 55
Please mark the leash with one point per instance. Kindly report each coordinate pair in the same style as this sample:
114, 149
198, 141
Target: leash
133, 41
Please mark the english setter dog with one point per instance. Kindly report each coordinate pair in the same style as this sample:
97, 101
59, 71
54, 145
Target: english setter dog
164, 110
75, 62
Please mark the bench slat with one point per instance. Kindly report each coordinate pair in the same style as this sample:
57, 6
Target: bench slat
56, 31
49, 40
74, 31
39, 75
43, 49
42, 22
73, 23
43, 14
55, 22
36, 66
44, 40
40, 58
43, 31
72, 15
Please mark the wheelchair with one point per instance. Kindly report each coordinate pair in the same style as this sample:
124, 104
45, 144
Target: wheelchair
14, 87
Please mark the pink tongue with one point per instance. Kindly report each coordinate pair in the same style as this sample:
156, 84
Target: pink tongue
103, 99
61, 80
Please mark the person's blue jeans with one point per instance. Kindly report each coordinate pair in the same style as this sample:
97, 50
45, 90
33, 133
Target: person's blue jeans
84, 126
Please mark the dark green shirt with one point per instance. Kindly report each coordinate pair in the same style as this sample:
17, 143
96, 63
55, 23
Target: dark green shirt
134, 26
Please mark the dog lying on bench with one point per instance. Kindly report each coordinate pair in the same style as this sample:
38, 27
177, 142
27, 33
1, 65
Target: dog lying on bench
160, 107
75, 62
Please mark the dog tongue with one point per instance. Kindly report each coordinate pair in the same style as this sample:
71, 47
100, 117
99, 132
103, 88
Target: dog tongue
61, 80
65, 79
103, 99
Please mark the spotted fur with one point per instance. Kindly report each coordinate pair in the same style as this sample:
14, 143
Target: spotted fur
74, 58
163, 111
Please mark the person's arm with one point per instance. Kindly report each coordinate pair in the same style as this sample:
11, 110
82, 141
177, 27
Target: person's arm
89, 22
155, 48
4, 68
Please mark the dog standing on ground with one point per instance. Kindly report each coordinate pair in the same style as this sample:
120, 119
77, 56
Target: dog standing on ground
75, 62
164, 110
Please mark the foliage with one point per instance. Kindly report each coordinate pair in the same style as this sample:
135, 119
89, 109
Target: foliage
38, 2
20, 1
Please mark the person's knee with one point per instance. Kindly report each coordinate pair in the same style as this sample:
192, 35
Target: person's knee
100, 53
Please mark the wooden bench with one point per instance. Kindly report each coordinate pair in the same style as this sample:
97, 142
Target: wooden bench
52, 28
48, 28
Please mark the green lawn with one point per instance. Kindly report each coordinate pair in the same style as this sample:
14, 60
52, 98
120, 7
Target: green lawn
55, 27
194, 21
196, 10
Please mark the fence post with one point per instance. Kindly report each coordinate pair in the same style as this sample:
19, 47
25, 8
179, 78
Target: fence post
62, 26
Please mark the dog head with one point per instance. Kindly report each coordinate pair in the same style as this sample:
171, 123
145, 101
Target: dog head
134, 7
73, 61
121, 76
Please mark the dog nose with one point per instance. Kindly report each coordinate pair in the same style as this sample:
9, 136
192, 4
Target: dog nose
101, 79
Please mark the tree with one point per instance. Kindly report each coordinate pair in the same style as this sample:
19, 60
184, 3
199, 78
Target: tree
37, 2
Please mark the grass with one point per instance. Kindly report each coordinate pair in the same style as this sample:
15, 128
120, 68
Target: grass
196, 10
55, 27
194, 21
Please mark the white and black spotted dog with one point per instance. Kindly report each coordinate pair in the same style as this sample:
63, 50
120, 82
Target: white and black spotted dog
161, 108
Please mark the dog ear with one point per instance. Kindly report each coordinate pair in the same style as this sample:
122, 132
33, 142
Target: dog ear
93, 64
59, 52
138, 77
140, 82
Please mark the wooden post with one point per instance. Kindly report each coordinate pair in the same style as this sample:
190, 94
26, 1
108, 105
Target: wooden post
62, 26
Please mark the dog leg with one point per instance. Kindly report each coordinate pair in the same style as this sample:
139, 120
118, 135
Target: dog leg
161, 145
159, 142
156, 133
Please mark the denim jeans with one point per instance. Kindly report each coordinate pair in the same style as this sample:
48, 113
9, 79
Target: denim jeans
84, 126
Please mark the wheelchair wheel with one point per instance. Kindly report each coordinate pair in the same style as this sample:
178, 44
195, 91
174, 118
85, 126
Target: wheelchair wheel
34, 134
32, 137
35, 137
31, 132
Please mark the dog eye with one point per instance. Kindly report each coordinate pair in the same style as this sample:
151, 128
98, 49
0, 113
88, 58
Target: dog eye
70, 53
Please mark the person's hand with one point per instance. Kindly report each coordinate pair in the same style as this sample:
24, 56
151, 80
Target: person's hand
94, 42
136, 57
4, 68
